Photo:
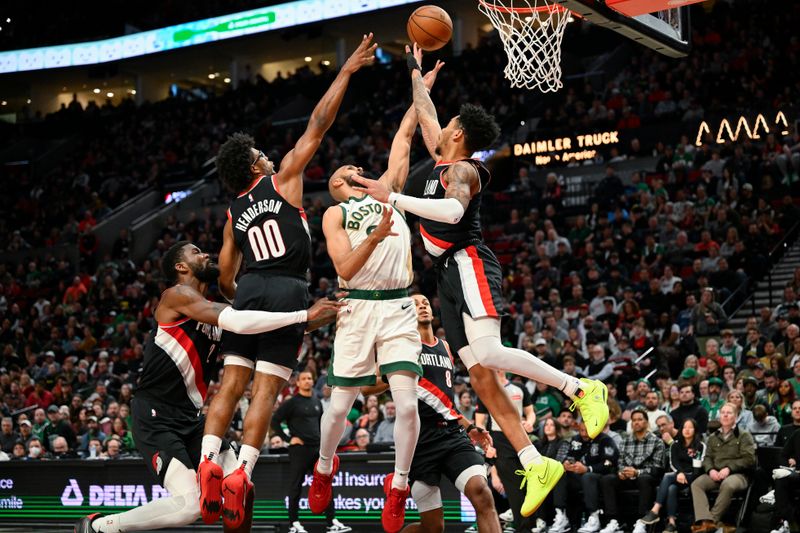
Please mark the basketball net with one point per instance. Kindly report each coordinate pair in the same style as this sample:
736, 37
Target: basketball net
531, 32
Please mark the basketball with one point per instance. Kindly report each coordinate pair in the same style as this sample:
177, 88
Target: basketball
430, 27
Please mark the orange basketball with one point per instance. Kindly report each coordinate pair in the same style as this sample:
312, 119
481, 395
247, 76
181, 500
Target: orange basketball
430, 27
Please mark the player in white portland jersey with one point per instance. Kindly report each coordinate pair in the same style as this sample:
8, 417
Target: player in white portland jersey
370, 245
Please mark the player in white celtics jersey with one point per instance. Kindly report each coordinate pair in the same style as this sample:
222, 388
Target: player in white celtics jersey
370, 245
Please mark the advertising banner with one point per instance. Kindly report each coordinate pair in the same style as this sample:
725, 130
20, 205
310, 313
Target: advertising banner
61, 491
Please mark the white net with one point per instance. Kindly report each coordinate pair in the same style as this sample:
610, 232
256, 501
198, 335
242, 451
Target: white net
531, 32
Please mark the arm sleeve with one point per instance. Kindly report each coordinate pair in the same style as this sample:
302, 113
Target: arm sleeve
708, 458
786, 451
609, 457
250, 322
562, 451
481, 408
445, 210
526, 397
655, 465
604, 373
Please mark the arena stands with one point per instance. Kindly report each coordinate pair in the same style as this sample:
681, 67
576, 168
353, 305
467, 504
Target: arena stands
645, 262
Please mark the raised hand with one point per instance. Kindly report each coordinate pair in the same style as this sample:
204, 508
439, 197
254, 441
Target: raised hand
364, 55
430, 77
417, 53
384, 228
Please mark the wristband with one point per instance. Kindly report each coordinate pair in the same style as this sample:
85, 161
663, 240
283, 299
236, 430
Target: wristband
473, 426
412, 64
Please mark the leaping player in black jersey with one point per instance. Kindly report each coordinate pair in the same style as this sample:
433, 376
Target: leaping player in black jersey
267, 229
180, 359
469, 279
444, 447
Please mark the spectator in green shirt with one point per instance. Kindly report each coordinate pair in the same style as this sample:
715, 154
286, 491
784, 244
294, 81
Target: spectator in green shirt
546, 403
40, 423
730, 349
714, 401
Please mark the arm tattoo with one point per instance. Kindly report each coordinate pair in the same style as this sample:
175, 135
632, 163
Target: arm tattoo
422, 100
461, 179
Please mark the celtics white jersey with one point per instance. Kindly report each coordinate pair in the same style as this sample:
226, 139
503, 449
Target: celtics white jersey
389, 266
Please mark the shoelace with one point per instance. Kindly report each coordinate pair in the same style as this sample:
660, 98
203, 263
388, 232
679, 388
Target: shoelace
395, 494
524, 474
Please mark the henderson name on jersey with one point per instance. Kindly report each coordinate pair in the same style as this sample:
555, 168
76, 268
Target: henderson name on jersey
272, 234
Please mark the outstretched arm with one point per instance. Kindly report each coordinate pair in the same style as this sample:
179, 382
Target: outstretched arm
184, 301
463, 182
290, 175
426, 111
397, 172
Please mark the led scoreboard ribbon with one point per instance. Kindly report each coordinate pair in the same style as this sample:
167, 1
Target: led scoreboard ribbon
188, 34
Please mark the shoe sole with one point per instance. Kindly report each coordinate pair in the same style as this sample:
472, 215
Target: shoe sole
604, 391
210, 509
232, 518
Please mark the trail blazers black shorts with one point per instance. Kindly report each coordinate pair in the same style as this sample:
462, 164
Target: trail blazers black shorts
470, 281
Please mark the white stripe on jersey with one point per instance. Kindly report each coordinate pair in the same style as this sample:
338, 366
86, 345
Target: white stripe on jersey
432, 248
435, 403
469, 284
175, 351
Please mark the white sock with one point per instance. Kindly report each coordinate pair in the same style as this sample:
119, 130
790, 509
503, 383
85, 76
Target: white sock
332, 425
210, 447
406, 426
491, 353
529, 454
248, 456
571, 387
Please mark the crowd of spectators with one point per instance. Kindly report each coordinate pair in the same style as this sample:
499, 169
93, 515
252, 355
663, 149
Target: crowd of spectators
629, 291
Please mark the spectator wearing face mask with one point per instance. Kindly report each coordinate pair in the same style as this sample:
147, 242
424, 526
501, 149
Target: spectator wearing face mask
61, 449
36, 451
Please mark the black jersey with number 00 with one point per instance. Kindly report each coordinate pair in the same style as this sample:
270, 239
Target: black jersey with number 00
272, 234
435, 387
438, 237
180, 359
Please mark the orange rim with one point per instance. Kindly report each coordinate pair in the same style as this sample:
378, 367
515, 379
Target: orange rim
523, 10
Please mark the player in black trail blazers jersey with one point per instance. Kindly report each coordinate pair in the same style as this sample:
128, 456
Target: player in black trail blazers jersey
180, 359
267, 230
469, 279
446, 445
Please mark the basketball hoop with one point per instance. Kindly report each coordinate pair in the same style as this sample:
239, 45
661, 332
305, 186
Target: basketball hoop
531, 32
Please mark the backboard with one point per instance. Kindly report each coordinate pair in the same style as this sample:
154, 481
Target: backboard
667, 31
